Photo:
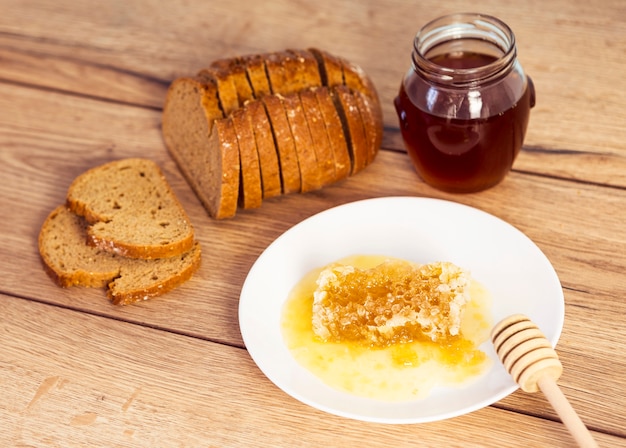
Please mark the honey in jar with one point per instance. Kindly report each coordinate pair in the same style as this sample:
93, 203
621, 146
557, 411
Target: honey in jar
464, 105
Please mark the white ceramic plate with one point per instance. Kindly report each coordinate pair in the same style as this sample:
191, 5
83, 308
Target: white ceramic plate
514, 270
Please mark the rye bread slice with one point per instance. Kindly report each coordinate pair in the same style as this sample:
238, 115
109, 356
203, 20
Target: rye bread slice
321, 143
226, 89
284, 143
355, 78
307, 159
266, 148
203, 145
131, 209
336, 134
237, 71
250, 188
329, 66
372, 123
353, 126
257, 75
71, 262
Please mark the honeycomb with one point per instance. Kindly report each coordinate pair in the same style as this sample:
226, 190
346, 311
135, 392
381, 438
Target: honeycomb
394, 302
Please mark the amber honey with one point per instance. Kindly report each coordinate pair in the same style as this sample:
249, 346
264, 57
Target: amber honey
397, 371
464, 106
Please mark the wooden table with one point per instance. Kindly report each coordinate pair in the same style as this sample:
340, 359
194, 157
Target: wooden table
83, 83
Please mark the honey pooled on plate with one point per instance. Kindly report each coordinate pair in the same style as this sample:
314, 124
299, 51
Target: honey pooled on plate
388, 329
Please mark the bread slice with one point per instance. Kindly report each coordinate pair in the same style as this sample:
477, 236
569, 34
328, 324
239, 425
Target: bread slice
336, 135
307, 159
131, 209
250, 188
355, 78
353, 126
329, 66
285, 145
237, 71
257, 74
321, 143
226, 89
402, 302
372, 123
71, 262
203, 145
266, 148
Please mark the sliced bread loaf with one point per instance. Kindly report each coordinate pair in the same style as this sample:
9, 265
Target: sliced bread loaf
131, 209
317, 138
71, 262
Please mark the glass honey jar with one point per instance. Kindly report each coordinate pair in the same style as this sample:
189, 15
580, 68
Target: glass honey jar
464, 104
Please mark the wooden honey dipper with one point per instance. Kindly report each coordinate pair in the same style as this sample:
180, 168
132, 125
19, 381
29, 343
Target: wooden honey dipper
532, 362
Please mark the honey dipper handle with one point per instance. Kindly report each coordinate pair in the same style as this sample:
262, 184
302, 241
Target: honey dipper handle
568, 415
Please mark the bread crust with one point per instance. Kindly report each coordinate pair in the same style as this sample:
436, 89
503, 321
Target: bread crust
372, 124
353, 126
336, 134
190, 263
266, 148
307, 158
237, 71
120, 195
69, 261
323, 151
251, 190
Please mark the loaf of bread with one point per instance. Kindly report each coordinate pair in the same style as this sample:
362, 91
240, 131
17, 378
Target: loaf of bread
253, 127
394, 302
71, 262
131, 210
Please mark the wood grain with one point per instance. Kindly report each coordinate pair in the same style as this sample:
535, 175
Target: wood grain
129, 53
133, 386
82, 84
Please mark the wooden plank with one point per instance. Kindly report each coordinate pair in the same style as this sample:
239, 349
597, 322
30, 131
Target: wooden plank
88, 50
40, 157
91, 381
